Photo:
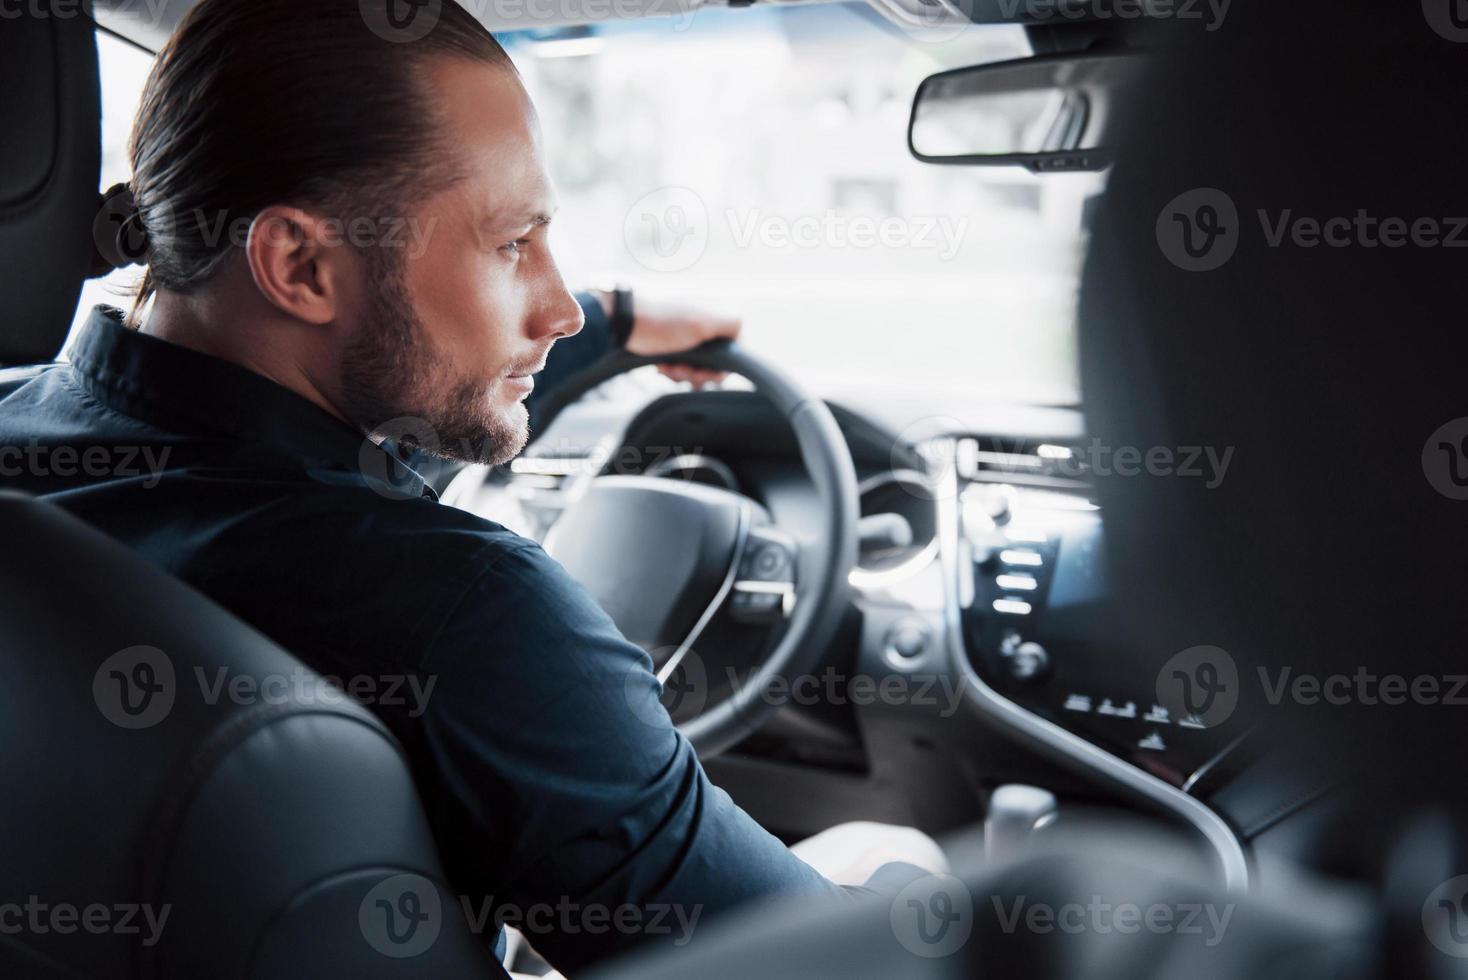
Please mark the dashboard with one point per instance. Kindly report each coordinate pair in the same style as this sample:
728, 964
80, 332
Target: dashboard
981, 556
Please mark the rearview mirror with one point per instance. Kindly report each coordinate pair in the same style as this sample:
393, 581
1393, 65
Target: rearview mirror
1045, 113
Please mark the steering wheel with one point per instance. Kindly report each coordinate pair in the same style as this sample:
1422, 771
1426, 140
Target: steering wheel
663, 556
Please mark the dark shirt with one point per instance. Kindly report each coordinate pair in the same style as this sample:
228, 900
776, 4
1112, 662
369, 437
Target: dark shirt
548, 767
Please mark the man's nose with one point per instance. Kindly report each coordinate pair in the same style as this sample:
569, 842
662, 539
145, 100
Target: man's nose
559, 315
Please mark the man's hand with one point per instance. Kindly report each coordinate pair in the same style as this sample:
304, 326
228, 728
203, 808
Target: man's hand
849, 853
662, 327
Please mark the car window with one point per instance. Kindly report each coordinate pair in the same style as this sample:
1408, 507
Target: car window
123, 70
756, 159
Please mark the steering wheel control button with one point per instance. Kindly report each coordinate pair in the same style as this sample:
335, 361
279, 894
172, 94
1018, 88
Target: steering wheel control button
764, 591
769, 561
755, 601
769, 556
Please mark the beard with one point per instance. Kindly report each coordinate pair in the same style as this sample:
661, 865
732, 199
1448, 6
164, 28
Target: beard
397, 385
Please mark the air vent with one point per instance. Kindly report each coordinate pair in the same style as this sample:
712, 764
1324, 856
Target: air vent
1050, 464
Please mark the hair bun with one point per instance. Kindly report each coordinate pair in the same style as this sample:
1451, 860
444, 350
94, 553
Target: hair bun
118, 231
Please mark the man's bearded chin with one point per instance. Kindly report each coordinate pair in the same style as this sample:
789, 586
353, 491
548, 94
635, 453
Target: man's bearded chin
397, 385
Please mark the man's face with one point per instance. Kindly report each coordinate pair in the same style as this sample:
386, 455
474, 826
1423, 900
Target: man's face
453, 324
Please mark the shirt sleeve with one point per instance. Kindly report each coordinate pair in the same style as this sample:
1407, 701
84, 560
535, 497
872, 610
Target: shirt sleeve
568, 782
571, 354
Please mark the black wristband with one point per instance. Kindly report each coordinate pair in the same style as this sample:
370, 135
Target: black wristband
619, 324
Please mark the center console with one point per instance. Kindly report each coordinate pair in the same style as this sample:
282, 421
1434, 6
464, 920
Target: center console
1035, 609
1029, 623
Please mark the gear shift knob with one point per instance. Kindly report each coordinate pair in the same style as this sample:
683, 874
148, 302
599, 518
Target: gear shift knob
1015, 811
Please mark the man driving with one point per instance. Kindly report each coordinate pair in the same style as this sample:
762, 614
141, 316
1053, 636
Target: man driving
281, 149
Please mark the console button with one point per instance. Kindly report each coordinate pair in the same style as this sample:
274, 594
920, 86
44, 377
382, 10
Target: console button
908, 639
1029, 662
1153, 743
1158, 715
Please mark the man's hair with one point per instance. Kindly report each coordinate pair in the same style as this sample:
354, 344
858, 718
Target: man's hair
319, 104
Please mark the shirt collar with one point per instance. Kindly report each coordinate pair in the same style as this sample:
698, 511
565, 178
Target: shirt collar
185, 391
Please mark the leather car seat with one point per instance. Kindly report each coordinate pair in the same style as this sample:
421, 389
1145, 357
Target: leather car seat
48, 177
269, 834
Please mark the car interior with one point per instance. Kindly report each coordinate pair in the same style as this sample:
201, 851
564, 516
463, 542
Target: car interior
1080, 718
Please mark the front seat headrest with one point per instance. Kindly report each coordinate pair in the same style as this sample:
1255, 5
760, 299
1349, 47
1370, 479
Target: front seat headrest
1318, 345
50, 116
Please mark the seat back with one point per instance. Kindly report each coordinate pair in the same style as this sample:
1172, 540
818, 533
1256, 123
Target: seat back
1275, 274
50, 118
184, 799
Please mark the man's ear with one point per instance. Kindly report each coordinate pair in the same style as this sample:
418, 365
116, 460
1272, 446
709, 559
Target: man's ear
299, 264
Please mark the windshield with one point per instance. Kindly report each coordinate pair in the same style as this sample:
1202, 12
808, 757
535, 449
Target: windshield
756, 160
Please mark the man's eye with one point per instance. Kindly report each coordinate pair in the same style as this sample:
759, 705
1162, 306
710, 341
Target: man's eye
513, 248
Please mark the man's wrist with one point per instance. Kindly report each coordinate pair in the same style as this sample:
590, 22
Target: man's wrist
620, 319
